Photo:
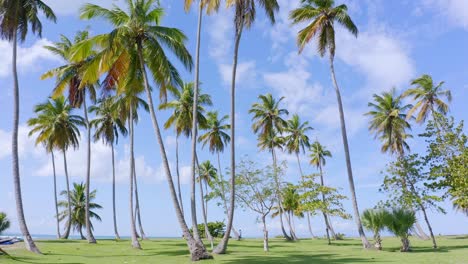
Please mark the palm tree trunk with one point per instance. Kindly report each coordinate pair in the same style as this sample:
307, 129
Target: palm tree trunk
420, 231
278, 197
310, 226
223, 194
135, 243
178, 175
55, 194
325, 218
197, 250
357, 218
89, 233
265, 234
80, 228
67, 180
205, 218
137, 204
206, 200
116, 232
222, 246
30, 245
193, 204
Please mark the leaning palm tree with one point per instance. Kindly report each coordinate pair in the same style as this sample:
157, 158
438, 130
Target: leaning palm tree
211, 5
389, 123
400, 221
16, 16
57, 125
139, 38
321, 16
78, 205
296, 142
374, 219
207, 173
182, 121
318, 157
71, 78
108, 125
269, 124
244, 17
216, 138
427, 95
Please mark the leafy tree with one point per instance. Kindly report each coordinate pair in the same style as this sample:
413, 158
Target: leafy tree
317, 197
107, 126
217, 229
446, 159
428, 97
16, 18
318, 157
399, 221
244, 16
374, 219
413, 191
58, 128
256, 191
78, 205
321, 16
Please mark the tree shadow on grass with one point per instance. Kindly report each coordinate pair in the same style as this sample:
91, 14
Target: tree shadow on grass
299, 258
34, 261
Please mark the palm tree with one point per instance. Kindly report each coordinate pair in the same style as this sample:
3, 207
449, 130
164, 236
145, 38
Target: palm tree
216, 138
139, 35
182, 120
207, 173
107, 126
296, 142
374, 219
71, 77
389, 122
244, 17
321, 16
399, 221
318, 157
268, 123
291, 205
427, 96
211, 5
57, 125
78, 205
16, 16
4, 222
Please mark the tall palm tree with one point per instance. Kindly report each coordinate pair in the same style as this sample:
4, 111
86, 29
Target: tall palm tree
389, 122
16, 17
56, 125
296, 142
428, 97
321, 16
207, 173
318, 157
182, 120
128, 104
244, 17
71, 78
269, 124
217, 138
211, 5
139, 35
78, 205
108, 125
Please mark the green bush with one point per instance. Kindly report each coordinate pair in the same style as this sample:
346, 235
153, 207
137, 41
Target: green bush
216, 229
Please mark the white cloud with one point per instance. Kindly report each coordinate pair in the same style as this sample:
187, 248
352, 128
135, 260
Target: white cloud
454, 11
28, 59
246, 73
25, 144
380, 57
221, 34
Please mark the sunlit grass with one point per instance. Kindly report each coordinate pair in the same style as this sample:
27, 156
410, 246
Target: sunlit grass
452, 250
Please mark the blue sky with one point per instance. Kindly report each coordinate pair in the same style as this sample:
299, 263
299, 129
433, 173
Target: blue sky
398, 41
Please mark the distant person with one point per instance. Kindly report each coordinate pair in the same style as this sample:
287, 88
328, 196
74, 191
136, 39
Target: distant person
240, 233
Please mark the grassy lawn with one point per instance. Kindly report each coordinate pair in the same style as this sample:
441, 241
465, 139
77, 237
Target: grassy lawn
452, 250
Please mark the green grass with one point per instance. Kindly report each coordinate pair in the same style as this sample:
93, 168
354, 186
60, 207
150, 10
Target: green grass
452, 250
